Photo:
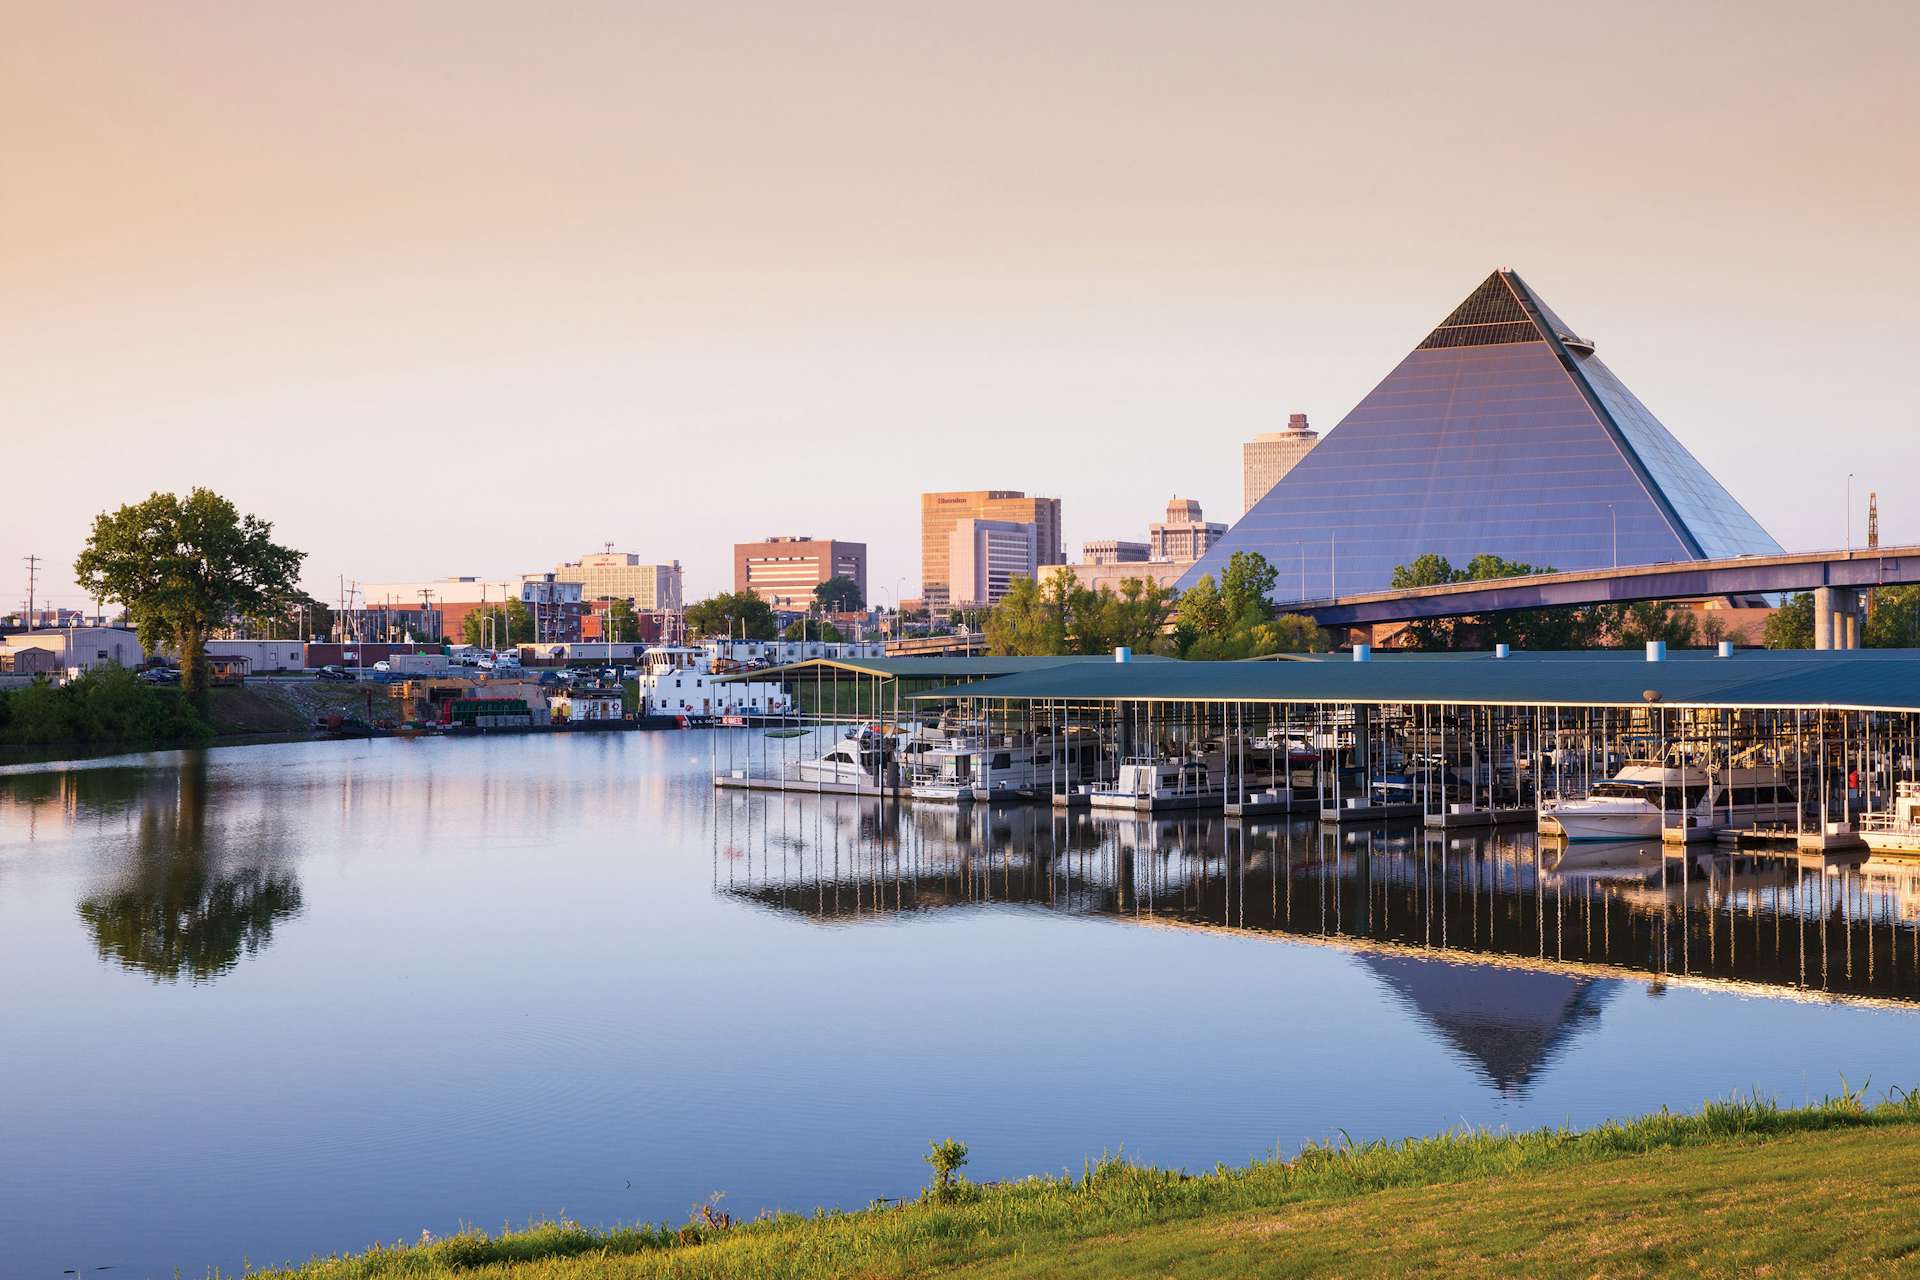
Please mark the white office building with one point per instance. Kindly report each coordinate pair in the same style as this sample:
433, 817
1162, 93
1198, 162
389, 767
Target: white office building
985, 556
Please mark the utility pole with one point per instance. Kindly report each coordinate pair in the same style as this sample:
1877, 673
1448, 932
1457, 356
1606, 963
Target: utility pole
1873, 539
33, 576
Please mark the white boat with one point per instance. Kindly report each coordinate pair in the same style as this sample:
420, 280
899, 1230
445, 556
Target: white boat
965, 770
1160, 784
1896, 830
856, 760
1641, 799
1297, 752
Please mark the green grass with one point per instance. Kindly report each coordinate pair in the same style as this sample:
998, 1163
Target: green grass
1739, 1187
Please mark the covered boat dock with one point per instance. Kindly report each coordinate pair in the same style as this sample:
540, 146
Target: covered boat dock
1482, 738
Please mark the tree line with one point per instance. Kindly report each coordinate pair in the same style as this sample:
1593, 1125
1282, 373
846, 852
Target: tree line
1594, 626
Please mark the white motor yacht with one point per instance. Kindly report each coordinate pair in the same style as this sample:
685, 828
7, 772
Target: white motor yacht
1160, 784
856, 760
969, 771
1641, 799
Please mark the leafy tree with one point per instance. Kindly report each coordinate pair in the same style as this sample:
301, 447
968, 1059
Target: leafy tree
1895, 623
739, 614
1523, 629
1031, 620
1288, 633
512, 624
1428, 570
1060, 616
812, 629
1201, 612
1245, 586
839, 594
1135, 616
1486, 568
183, 567
620, 623
1791, 625
1629, 626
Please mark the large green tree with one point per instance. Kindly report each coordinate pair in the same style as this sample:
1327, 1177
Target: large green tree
621, 625
839, 594
502, 626
1060, 616
1236, 617
183, 566
1895, 623
1791, 625
739, 614
812, 629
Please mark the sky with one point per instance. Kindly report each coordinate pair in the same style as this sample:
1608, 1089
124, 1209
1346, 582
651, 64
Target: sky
473, 288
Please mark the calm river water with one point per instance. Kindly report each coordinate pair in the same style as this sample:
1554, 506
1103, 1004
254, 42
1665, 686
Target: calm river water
269, 1001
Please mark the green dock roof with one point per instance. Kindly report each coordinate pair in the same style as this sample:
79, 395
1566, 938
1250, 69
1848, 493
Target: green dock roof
1878, 680
929, 668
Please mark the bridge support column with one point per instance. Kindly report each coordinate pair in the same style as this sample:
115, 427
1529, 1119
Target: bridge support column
1848, 632
1823, 617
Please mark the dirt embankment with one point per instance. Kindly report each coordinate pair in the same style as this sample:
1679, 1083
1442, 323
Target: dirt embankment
292, 706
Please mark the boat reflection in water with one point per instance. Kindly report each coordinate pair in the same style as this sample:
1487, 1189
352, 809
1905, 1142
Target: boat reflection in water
187, 901
1403, 895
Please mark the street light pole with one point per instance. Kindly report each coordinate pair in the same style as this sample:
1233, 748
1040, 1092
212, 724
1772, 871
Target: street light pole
1849, 510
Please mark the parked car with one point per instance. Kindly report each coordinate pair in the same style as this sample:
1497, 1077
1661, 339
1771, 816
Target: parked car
383, 665
160, 675
335, 673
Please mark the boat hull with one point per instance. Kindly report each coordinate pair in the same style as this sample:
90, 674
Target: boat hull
1602, 825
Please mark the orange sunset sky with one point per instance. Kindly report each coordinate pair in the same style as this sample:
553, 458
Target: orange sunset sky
472, 288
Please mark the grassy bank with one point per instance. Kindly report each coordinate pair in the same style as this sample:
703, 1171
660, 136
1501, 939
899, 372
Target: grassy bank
1738, 1187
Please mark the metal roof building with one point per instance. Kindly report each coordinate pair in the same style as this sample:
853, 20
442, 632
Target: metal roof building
1856, 680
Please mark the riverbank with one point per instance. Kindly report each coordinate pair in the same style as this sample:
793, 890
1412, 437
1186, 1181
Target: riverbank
1736, 1188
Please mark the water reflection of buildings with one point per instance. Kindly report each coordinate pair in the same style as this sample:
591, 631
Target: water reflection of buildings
1401, 893
187, 903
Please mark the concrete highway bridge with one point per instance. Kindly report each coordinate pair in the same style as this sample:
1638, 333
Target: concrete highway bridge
1837, 579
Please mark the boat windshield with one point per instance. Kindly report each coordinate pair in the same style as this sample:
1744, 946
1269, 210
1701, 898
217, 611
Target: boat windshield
1620, 790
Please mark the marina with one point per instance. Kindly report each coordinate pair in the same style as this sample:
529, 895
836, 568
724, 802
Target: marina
1800, 751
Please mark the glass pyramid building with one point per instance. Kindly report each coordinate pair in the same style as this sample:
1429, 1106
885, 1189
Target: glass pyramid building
1501, 433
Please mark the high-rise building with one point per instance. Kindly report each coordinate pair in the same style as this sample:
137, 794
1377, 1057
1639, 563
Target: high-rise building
1502, 434
985, 556
1186, 535
783, 571
1115, 551
1266, 459
940, 511
613, 575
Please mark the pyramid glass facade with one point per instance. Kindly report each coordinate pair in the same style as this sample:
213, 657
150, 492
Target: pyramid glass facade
1501, 433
